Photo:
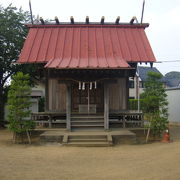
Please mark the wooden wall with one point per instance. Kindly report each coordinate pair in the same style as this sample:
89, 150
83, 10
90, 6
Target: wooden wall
57, 96
118, 95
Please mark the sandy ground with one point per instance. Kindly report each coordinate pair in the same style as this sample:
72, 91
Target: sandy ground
124, 162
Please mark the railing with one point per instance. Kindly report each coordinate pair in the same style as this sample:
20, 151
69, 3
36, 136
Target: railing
126, 119
122, 119
49, 118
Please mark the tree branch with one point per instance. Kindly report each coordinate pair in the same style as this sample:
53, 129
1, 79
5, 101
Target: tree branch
5, 79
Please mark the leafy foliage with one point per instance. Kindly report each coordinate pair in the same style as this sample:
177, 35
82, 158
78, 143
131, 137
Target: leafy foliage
12, 35
133, 104
41, 104
19, 103
155, 103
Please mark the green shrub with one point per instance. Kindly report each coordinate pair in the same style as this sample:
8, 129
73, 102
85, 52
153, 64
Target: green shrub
155, 103
19, 104
133, 104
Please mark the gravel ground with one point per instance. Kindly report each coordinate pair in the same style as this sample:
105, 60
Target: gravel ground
124, 162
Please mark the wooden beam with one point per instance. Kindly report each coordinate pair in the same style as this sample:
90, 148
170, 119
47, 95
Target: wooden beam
64, 81
42, 20
106, 106
151, 64
110, 81
127, 93
57, 20
68, 107
72, 20
102, 20
117, 20
132, 20
87, 19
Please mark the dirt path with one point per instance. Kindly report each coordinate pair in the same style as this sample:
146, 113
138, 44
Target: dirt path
124, 162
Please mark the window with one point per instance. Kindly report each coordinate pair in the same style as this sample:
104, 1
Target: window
141, 84
131, 84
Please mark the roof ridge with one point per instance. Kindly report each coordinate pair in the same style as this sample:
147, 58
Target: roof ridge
124, 25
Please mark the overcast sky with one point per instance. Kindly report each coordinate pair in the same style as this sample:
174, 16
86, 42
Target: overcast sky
163, 16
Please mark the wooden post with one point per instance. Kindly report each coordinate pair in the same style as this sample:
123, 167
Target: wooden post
106, 106
68, 107
46, 90
50, 121
124, 121
127, 93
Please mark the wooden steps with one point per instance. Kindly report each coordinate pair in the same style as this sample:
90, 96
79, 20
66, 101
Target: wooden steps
87, 125
82, 116
88, 140
87, 121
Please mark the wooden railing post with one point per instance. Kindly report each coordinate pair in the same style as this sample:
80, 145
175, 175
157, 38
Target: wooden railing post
68, 107
106, 106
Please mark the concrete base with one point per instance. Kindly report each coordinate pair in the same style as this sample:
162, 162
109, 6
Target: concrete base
114, 136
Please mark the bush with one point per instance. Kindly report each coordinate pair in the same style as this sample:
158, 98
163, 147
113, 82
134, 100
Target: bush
19, 104
41, 104
133, 104
155, 103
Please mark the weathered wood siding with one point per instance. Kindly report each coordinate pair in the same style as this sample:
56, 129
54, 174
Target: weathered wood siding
118, 95
57, 96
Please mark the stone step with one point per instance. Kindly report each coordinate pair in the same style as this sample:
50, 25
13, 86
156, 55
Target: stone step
87, 136
87, 140
89, 144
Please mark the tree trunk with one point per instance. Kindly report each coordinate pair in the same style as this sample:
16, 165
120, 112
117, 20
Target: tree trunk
28, 135
14, 137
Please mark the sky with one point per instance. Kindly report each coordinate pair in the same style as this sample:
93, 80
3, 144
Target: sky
162, 15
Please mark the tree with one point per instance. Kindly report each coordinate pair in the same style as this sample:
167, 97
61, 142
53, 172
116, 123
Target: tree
19, 104
155, 103
173, 74
172, 79
12, 35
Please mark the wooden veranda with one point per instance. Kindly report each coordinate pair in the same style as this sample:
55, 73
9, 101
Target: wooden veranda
125, 119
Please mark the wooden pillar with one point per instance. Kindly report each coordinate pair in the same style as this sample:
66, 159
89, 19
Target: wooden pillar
68, 107
127, 93
50, 121
106, 106
46, 90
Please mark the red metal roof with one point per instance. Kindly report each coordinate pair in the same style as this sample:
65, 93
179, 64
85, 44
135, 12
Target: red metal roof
86, 46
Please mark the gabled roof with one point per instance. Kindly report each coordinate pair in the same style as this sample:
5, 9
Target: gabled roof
143, 72
93, 46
